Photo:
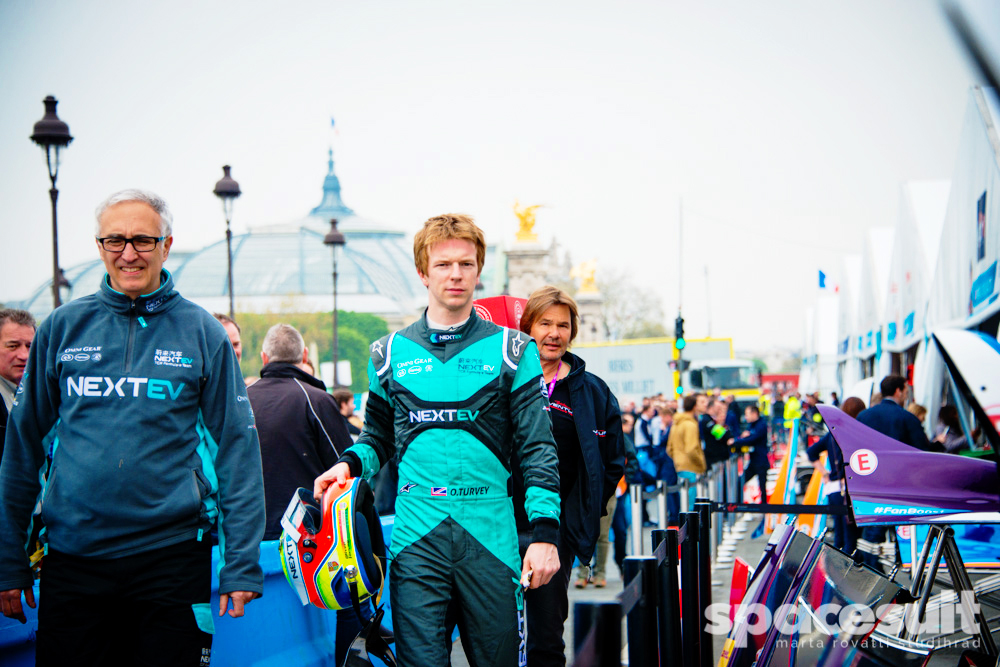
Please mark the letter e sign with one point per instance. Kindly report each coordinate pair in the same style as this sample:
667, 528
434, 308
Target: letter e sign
864, 462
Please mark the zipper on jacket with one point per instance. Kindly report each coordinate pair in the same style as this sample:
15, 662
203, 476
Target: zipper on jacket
130, 341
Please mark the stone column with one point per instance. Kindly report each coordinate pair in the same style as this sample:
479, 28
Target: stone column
591, 326
527, 268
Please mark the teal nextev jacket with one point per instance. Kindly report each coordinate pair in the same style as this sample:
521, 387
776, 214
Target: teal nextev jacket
133, 429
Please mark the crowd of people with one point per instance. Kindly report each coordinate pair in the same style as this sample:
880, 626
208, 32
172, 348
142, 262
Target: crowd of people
132, 444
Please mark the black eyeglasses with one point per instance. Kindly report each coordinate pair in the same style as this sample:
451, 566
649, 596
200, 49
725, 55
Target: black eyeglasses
140, 243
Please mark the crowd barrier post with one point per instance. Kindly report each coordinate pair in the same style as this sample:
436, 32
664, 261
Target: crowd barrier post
703, 507
690, 604
715, 494
685, 498
669, 613
597, 634
641, 619
661, 503
635, 494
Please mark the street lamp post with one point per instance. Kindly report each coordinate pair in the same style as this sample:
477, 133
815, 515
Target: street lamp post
227, 189
335, 239
53, 135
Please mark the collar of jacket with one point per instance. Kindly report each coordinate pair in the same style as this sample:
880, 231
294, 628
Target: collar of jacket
442, 336
685, 417
147, 304
283, 369
577, 366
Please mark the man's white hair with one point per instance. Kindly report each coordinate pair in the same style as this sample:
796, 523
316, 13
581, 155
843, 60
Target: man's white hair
154, 201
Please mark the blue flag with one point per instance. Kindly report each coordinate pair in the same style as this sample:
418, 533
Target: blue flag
822, 280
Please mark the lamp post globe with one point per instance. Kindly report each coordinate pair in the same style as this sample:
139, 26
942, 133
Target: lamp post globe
53, 135
336, 240
227, 189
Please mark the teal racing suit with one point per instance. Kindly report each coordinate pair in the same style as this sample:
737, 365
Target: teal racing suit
453, 405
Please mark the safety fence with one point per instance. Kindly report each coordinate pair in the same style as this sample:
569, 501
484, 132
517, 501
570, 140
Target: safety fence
667, 592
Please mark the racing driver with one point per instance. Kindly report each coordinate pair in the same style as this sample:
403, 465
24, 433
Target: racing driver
453, 395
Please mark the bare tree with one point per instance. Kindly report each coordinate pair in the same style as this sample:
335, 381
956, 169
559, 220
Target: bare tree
628, 311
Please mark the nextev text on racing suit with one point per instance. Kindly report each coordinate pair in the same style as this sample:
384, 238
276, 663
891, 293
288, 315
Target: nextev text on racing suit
454, 404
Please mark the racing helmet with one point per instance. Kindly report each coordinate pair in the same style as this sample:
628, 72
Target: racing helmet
333, 549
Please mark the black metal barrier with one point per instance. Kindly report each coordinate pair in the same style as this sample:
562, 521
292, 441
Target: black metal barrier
640, 617
667, 542
769, 508
665, 627
704, 509
597, 634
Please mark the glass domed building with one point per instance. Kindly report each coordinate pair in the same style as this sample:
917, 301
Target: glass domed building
286, 268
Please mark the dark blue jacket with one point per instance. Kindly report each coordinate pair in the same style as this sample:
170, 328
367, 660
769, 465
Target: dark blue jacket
602, 455
834, 455
152, 437
757, 441
888, 418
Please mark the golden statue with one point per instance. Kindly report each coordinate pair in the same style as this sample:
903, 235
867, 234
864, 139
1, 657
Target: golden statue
585, 272
526, 216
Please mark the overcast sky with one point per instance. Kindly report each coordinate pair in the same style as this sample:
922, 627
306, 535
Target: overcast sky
786, 128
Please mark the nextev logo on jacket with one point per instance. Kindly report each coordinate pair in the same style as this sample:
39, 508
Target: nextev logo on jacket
171, 358
446, 415
100, 387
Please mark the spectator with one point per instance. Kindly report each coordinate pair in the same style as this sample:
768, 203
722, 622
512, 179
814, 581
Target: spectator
792, 410
345, 402
949, 433
301, 434
586, 424
778, 419
233, 331
299, 424
684, 444
889, 418
917, 410
622, 514
732, 421
717, 435
646, 428
17, 329
755, 439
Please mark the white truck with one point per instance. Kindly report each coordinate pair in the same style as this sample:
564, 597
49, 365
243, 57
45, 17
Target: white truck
647, 366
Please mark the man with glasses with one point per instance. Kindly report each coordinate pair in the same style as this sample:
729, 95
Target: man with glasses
133, 434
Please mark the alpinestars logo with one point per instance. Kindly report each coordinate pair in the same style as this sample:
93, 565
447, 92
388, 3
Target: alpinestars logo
376, 347
406, 488
518, 343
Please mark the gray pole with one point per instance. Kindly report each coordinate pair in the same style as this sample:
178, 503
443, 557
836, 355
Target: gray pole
229, 258
54, 195
335, 382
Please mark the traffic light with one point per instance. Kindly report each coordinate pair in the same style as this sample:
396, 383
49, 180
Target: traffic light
679, 342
